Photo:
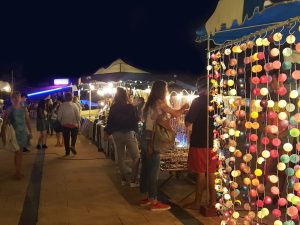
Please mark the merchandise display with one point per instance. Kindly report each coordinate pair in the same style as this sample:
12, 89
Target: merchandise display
254, 92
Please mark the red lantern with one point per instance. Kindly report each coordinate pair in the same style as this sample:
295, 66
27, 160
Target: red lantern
268, 200
256, 91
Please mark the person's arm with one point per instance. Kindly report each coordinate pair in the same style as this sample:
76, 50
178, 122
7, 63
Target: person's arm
59, 114
110, 121
77, 114
136, 118
4, 125
173, 112
27, 122
192, 114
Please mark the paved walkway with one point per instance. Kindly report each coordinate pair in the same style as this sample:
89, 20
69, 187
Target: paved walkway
81, 190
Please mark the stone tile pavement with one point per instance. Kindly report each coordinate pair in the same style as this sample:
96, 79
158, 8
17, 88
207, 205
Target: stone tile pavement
81, 190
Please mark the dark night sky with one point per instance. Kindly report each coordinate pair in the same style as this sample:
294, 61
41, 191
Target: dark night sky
75, 38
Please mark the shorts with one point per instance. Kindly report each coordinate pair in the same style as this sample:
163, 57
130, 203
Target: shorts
197, 160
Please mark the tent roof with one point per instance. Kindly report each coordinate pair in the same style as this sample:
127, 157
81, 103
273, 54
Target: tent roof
251, 18
99, 70
119, 66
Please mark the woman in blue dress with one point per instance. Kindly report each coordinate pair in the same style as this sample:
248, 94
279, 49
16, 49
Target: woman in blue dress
41, 124
18, 117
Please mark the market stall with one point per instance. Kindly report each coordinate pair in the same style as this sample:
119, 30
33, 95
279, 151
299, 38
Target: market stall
254, 98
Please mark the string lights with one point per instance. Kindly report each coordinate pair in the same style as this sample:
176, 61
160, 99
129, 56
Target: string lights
254, 89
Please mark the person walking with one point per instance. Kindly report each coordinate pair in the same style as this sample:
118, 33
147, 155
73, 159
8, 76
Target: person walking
69, 118
49, 108
18, 117
41, 124
156, 108
56, 124
24, 105
196, 118
122, 124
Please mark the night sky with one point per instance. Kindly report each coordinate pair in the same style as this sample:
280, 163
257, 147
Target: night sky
47, 38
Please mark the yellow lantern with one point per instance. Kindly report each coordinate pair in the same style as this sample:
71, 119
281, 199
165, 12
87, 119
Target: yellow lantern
258, 172
254, 115
278, 222
273, 179
281, 166
266, 154
282, 103
255, 182
271, 103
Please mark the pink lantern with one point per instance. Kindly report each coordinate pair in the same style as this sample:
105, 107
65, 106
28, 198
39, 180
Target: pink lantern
275, 190
272, 115
260, 55
268, 200
296, 74
282, 77
265, 140
274, 154
252, 149
276, 142
253, 137
282, 202
292, 211
256, 91
259, 203
255, 80
281, 91
276, 64
263, 79
268, 67
276, 213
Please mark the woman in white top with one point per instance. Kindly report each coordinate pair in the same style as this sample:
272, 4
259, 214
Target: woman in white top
156, 107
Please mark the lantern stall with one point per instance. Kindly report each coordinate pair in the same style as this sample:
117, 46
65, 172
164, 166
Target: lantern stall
254, 96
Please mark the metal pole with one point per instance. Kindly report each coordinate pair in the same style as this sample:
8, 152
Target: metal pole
207, 124
12, 80
90, 106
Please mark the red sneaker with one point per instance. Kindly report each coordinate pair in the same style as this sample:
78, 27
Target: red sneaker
145, 202
160, 207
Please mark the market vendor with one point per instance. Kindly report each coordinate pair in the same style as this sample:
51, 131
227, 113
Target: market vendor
197, 158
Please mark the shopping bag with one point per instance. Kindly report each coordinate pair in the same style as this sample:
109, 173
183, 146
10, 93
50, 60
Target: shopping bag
11, 143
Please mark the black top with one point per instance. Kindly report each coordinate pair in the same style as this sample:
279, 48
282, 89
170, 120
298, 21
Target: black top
197, 115
122, 118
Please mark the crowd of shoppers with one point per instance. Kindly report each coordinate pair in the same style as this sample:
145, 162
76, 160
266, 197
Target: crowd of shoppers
62, 116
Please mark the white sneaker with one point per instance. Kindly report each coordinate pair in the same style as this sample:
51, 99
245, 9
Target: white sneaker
134, 185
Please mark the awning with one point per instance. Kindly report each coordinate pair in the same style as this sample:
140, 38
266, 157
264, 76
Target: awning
239, 22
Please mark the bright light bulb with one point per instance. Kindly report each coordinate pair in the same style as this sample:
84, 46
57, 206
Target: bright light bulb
100, 92
92, 87
179, 96
148, 90
110, 85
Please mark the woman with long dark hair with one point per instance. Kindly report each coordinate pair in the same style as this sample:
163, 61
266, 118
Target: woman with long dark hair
122, 124
41, 124
156, 107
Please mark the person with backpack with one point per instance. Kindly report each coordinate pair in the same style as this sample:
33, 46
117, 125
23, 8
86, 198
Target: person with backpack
157, 130
17, 116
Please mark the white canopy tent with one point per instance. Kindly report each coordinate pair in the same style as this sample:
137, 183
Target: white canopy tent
119, 66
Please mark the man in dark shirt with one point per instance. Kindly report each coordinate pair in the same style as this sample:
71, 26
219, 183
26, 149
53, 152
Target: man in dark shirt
197, 160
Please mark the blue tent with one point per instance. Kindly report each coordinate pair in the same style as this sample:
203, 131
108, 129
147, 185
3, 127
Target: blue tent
230, 27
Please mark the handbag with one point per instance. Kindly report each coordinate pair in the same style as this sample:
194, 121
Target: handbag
163, 136
11, 143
